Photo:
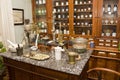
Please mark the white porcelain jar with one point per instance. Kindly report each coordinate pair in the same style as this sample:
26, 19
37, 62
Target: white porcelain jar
82, 16
58, 54
57, 3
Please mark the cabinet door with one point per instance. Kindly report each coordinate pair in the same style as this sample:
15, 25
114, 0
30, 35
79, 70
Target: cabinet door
85, 12
39, 15
109, 18
61, 16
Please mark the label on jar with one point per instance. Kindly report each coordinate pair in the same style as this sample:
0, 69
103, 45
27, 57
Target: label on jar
101, 44
108, 40
101, 40
107, 44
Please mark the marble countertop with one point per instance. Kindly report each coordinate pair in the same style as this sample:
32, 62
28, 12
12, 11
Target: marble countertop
61, 65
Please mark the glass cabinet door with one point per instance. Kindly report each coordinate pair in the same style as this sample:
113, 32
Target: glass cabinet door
83, 13
110, 18
40, 15
60, 16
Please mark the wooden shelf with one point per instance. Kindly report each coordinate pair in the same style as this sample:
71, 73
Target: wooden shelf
85, 19
42, 15
65, 12
76, 26
62, 19
87, 4
110, 25
85, 36
40, 5
60, 6
83, 12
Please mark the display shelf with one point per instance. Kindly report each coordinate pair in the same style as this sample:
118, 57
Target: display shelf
87, 4
114, 25
60, 6
82, 26
40, 5
61, 16
85, 19
83, 13
110, 18
40, 15
65, 12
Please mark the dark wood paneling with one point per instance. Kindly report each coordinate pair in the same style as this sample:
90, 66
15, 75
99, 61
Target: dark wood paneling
22, 71
108, 60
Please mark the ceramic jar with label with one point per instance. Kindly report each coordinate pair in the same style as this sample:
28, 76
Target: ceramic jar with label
44, 1
114, 34
76, 2
57, 3
86, 16
106, 21
62, 3
80, 2
66, 3
82, 24
90, 15
111, 22
82, 16
86, 23
89, 2
89, 8
83, 33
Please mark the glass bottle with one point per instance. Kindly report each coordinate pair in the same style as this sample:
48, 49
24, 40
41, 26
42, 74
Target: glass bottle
115, 8
37, 2
109, 7
40, 2
44, 1
89, 1
85, 2
80, 1
76, 2
65, 31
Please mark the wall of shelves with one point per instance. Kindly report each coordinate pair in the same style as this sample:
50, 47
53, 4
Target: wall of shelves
79, 17
90, 19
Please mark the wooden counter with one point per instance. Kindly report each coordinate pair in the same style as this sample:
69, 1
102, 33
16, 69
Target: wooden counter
21, 68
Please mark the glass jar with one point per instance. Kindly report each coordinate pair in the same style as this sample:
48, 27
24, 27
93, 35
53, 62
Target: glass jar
80, 44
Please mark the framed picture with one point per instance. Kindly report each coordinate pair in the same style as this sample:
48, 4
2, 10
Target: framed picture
18, 16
